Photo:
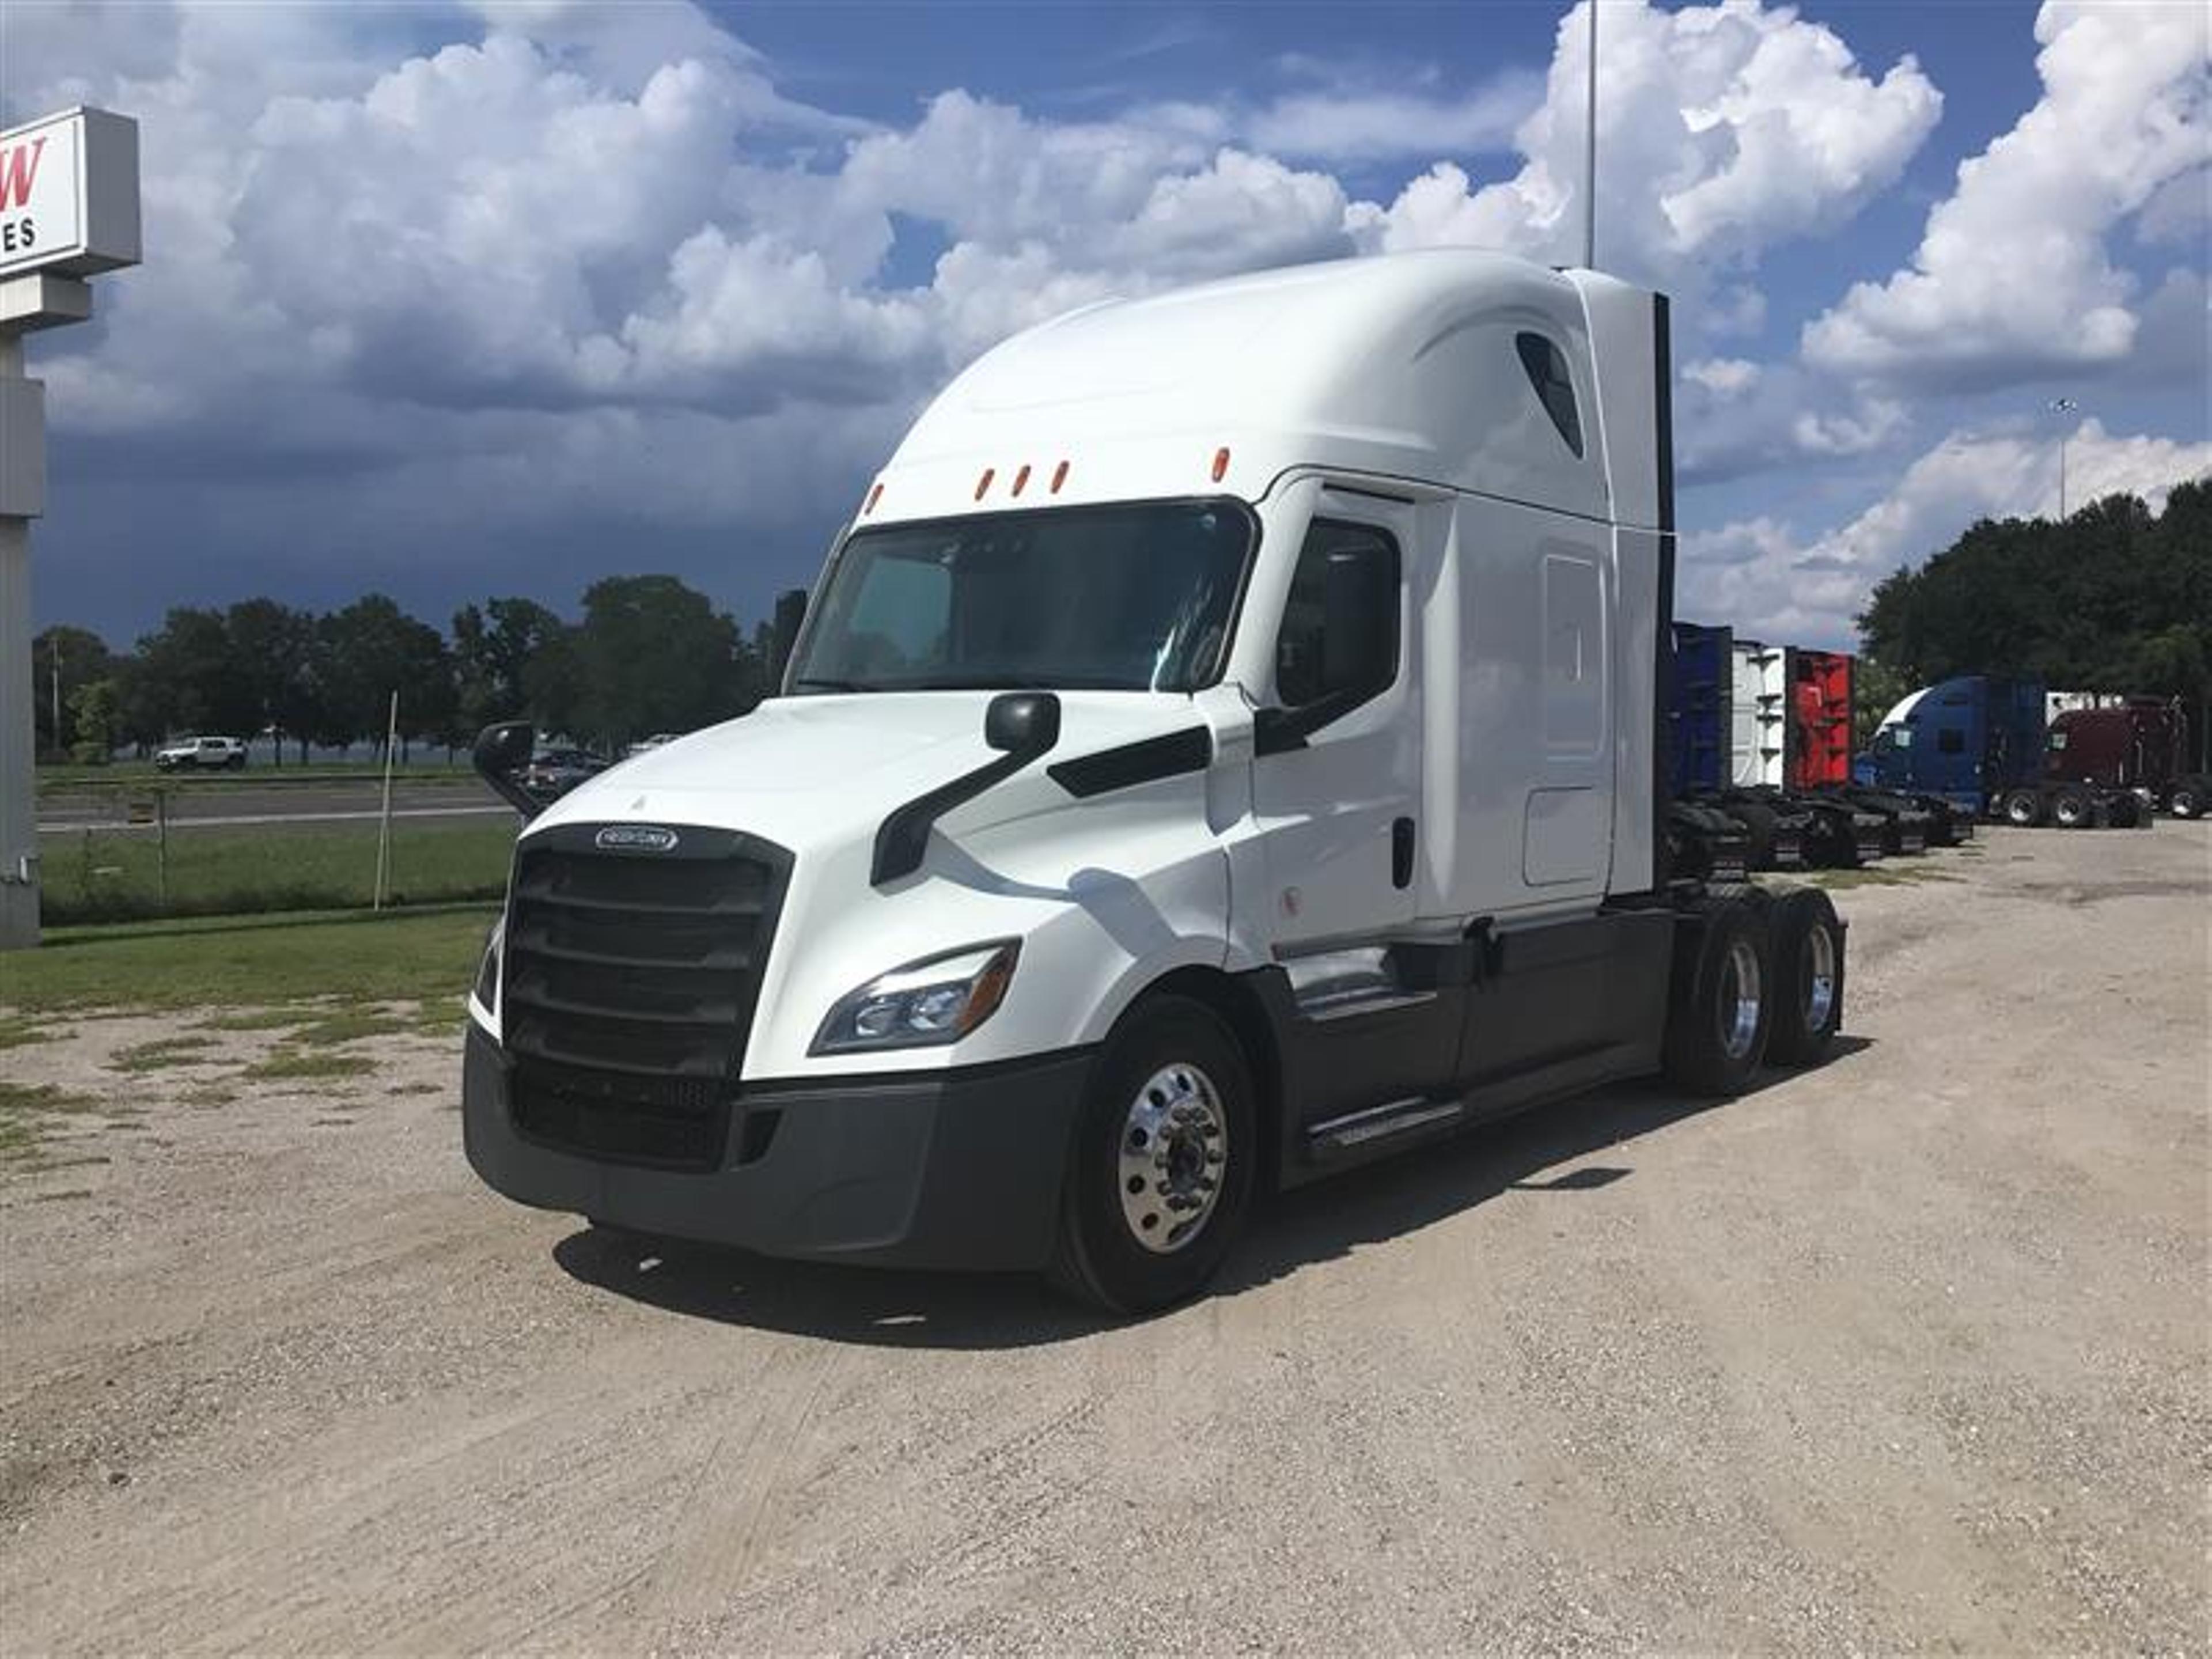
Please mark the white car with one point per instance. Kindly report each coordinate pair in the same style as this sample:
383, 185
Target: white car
201, 755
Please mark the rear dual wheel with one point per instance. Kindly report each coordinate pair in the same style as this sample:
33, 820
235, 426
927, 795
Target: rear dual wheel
2070, 808
1721, 1009
1809, 978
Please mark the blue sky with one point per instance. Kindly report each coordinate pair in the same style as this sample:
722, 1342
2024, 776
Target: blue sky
452, 300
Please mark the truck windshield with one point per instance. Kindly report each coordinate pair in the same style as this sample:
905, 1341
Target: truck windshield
1134, 598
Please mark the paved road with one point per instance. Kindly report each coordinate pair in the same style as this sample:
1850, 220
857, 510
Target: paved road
1906, 1353
244, 804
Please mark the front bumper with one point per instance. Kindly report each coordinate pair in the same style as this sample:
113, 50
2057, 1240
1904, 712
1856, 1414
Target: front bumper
959, 1169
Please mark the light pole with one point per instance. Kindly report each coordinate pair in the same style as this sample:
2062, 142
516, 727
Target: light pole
2062, 407
1589, 152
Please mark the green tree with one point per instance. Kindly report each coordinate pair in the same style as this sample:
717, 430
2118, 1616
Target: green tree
188, 679
367, 652
655, 656
494, 650
93, 715
68, 656
275, 648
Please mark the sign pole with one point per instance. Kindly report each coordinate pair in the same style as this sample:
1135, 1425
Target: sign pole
69, 209
384, 818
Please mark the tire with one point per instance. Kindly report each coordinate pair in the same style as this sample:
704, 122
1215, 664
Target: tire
2187, 798
1809, 979
1171, 1103
2070, 808
2021, 808
235, 763
1714, 1041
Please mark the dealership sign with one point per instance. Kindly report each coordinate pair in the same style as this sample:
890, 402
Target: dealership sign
68, 195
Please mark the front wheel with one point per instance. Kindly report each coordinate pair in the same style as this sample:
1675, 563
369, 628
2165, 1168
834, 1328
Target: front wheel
2188, 799
1160, 1174
2022, 808
2070, 809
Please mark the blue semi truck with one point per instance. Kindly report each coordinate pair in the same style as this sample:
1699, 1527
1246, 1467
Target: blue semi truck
1983, 743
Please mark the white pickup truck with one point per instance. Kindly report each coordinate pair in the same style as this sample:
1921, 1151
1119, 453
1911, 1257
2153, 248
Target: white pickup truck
1224, 747
201, 754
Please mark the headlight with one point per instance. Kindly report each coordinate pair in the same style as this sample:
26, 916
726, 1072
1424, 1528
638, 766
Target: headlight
925, 1004
488, 974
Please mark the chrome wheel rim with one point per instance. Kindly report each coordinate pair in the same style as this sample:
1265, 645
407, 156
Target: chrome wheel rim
1175, 1150
1738, 1009
1819, 964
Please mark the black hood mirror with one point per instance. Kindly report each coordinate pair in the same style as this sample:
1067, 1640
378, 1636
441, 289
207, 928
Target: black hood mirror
1021, 723
500, 753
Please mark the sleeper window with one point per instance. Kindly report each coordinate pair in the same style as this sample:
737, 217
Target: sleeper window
1547, 367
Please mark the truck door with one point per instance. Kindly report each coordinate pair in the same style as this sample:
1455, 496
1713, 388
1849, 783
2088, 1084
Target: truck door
1336, 772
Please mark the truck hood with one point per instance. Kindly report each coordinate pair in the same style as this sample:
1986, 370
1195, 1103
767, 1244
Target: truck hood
811, 772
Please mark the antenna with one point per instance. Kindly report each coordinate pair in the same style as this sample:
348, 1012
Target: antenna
1589, 152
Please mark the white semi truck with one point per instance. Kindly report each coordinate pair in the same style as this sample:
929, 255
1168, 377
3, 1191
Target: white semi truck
1223, 748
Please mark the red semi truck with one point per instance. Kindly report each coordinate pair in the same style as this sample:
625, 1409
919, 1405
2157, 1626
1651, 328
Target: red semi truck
2142, 745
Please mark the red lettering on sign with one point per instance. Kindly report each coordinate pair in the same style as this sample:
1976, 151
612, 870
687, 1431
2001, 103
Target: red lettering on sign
19, 171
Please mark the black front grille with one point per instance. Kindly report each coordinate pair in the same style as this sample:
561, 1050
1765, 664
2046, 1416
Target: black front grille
631, 977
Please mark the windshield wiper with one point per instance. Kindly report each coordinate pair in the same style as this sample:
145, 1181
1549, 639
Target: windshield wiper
809, 681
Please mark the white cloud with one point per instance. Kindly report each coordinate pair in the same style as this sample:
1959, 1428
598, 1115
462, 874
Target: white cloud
1386, 124
1724, 377
2012, 280
1722, 130
1758, 576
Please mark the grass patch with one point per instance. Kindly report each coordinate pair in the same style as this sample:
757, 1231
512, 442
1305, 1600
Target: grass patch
1879, 875
17, 1033
309, 1063
163, 1054
255, 962
25, 1110
256, 1020
349, 1027
416, 1089
95, 875
210, 1094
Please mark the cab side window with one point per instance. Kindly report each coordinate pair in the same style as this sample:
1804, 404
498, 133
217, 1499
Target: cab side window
1338, 642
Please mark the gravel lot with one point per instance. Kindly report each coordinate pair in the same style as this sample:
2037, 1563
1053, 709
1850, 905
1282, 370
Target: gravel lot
1914, 1350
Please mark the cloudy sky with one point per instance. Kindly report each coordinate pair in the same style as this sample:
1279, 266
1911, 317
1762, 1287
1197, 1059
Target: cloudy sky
458, 300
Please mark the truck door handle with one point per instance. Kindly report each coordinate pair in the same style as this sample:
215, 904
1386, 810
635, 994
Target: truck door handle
1402, 853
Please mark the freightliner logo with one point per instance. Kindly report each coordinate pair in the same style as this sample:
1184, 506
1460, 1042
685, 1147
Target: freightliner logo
635, 838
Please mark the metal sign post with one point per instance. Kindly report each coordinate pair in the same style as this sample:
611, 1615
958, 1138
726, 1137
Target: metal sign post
69, 209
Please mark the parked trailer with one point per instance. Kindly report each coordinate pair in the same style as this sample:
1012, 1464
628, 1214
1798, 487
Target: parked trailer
1326, 815
1978, 741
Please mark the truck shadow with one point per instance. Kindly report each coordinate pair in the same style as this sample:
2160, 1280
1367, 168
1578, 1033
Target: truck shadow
1291, 1231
